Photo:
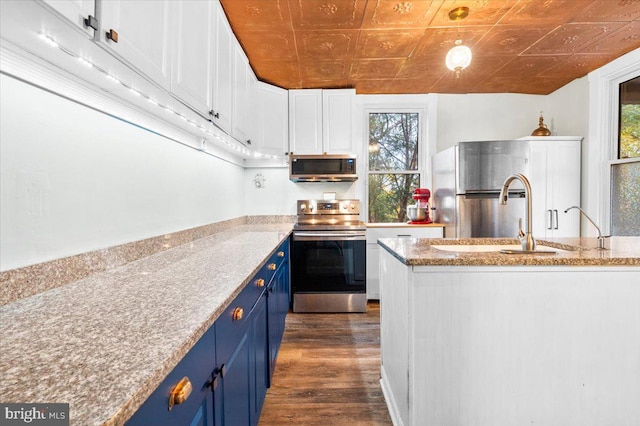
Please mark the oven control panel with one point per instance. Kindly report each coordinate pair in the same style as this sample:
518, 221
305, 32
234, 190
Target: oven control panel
320, 207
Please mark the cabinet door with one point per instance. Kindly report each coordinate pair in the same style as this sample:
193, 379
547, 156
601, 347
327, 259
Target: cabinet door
540, 180
373, 250
239, 344
232, 397
564, 159
75, 11
273, 119
260, 360
337, 121
222, 70
192, 53
142, 28
305, 121
279, 300
197, 409
373, 272
241, 81
555, 185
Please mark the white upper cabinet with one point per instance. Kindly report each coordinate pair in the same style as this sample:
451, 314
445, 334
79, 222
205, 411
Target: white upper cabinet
320, 121
222, 71
305, 121
555, 185
241, 88
138, 32
80, 12
337, 120
273, 120
192, 53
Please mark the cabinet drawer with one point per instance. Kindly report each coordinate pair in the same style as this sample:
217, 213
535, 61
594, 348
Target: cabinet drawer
274, 262
408, 232
197, 365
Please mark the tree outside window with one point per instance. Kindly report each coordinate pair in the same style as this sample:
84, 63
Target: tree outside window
393, 165
629, 140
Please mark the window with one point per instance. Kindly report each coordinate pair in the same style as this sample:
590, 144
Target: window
629, 128
393, 164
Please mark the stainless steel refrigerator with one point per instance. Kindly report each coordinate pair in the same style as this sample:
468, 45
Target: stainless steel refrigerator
467, 179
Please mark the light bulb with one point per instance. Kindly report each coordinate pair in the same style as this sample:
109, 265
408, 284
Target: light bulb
458, 58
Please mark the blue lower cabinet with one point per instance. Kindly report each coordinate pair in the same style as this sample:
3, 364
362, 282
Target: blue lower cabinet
190, 407
279, 302
232, 398
241, 350
223, 380
260, 361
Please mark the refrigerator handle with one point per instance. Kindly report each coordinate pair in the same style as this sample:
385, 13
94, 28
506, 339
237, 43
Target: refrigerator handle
556, 214
550, 222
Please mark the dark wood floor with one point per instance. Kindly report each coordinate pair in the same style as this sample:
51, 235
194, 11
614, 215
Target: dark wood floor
328, 372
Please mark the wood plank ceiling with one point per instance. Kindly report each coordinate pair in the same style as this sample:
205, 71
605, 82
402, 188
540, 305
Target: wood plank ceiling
399, 46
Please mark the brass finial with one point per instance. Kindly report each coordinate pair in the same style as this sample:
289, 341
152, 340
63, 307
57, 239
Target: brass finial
542, 129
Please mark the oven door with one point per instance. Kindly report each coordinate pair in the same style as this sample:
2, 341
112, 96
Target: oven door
328, 271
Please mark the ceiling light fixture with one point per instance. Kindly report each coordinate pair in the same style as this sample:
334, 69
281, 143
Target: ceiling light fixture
459, 57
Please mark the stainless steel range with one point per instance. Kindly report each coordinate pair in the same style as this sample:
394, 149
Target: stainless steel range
328, 262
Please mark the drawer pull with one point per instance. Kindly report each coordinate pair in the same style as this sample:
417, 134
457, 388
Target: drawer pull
280, 254
271, 266
112, 35
260, 282
237, 313
180, 392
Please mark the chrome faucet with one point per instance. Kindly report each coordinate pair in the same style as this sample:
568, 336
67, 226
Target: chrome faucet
601, 239
526, 239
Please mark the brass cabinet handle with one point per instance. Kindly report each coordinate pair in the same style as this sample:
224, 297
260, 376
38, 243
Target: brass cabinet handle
237, 313
180, 392
112, 35
271, 266
280, 254
260, 282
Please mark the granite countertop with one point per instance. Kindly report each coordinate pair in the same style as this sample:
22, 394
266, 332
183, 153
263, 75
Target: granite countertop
104, 343
404, 225
572, 252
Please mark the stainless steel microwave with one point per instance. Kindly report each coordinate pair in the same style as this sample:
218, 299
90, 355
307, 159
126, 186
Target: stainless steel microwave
322, 168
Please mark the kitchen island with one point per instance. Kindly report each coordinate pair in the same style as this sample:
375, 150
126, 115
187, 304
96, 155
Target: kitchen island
104, 343
471, 336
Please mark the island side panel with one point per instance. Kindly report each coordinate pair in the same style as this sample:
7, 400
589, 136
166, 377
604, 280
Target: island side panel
394, 336
522, 345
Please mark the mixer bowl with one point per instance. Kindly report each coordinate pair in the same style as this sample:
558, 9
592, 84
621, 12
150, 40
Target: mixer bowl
417, 214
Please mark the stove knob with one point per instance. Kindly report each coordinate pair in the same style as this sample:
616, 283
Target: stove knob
303, 207
353, 206
344, 206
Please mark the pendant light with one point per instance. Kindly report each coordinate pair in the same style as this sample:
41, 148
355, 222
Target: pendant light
459, 57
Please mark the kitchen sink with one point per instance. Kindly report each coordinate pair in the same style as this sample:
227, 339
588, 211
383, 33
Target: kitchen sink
488, 248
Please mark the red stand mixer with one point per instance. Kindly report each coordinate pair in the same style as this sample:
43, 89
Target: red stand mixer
419, 212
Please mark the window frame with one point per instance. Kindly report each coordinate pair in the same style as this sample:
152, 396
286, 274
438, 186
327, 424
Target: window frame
602, 149
425, 106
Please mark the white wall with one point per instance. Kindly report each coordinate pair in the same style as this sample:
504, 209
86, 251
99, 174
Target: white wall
75, 180
567, 109
473, 117
278, 195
